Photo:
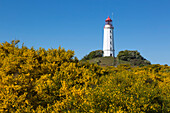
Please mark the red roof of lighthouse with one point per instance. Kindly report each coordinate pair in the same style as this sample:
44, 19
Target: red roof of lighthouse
108, 19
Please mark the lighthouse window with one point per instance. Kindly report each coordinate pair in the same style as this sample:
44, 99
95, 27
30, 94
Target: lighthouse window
110, 36
110, 31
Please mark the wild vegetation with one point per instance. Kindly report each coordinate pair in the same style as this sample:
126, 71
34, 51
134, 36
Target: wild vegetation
54, 81
124, 57
133, 57
93, 54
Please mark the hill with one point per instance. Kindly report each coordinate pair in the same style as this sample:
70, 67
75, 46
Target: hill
132, 58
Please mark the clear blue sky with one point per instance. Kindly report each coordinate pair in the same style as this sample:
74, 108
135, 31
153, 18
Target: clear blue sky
142, 25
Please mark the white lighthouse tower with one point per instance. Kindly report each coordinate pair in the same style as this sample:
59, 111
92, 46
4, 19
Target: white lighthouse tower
108, 41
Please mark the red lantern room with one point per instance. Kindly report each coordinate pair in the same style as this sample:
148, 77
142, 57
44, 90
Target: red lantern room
108, 20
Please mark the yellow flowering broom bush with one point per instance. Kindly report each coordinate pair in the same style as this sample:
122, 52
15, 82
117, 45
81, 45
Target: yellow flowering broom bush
54, 81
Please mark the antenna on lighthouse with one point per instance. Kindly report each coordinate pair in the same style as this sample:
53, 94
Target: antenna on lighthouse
112, 16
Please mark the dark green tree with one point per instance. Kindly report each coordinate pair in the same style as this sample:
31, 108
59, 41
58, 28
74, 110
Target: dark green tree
133, 57
93, 54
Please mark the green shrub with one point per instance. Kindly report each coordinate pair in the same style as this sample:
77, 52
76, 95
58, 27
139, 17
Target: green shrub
93, 54
133, 57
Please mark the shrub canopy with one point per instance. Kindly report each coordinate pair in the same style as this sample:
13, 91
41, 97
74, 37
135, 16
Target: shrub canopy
133, 57
93, 54
53, 81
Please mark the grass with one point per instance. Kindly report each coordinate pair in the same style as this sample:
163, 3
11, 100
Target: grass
107, 61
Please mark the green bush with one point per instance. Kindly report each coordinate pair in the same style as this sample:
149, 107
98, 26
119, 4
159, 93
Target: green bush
93, 54
133, 57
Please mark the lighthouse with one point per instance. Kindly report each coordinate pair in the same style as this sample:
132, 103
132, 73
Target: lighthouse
108, 40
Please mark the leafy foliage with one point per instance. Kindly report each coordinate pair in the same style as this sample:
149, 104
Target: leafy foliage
53, 81
133, 57
93, 54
